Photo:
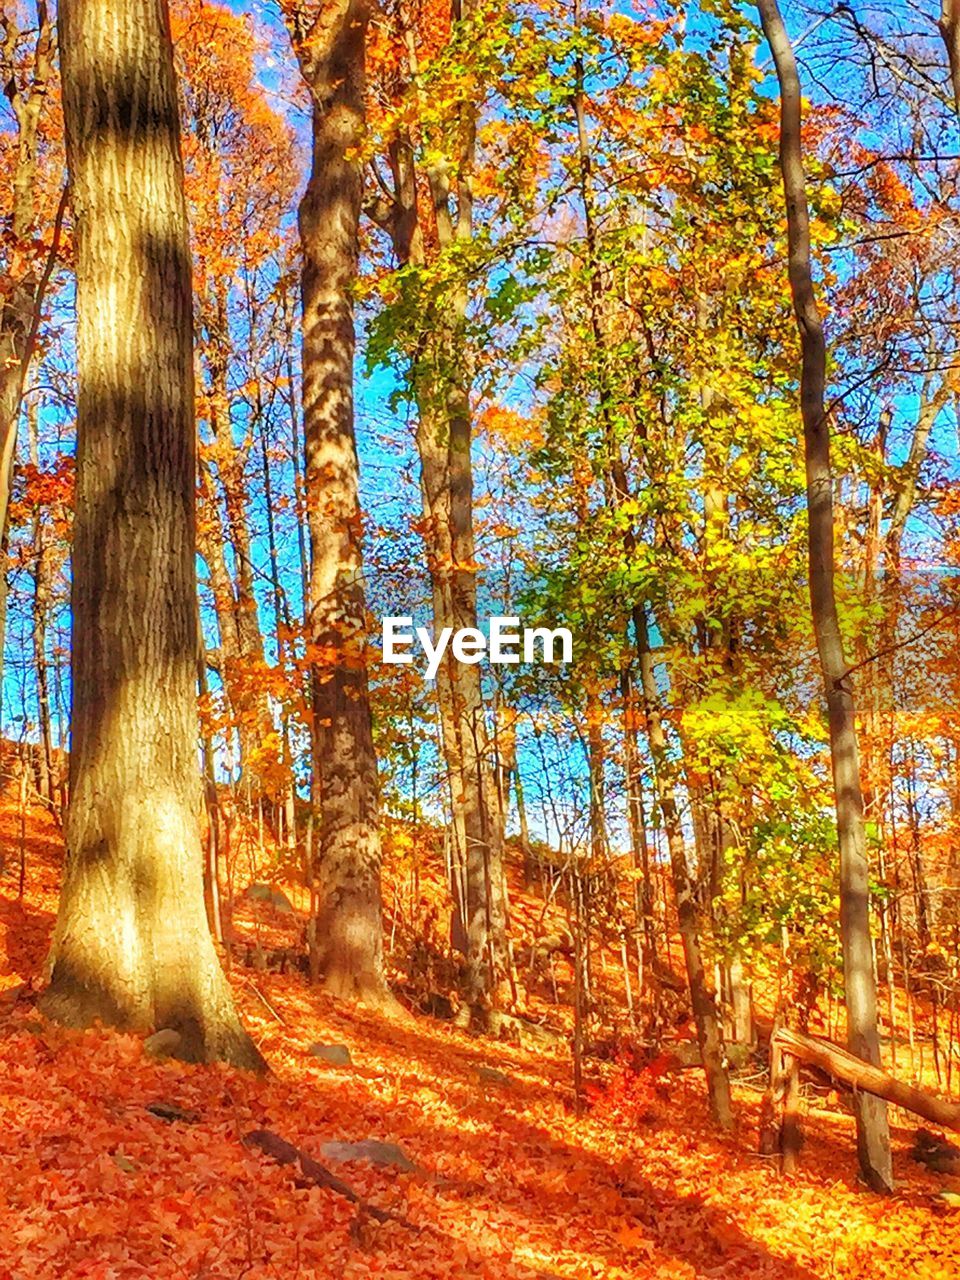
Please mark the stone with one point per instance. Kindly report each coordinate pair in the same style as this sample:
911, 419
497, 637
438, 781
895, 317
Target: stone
337, 1055
163, 1043
170, 1112
491, 1075
687, 1053
271, 895
386, 1154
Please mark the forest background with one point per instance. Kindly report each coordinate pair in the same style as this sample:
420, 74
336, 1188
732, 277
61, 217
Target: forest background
579, 399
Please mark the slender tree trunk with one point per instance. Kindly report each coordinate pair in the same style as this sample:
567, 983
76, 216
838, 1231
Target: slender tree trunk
211, 860
640, 853
441, 389
22, 297
873, 1138
224, 523
707, 1023
286, 808
709, 1035
40, 608
131, 944
348, 926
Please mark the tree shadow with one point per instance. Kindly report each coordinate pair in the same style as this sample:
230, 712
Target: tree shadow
541, 1186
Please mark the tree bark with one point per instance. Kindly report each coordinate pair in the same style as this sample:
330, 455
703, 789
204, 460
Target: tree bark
41, 573
443, 443
348, 927
873, 1138
131, 944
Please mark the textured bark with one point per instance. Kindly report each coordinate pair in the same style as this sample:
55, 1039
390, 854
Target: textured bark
348, 926
873, 1138
780, 1110
131, 945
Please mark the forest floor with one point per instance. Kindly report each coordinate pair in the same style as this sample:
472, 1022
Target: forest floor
506, 1182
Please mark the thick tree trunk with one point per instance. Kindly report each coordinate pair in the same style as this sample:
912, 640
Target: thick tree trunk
348, 927
780, 1110
873, 1138
131, 944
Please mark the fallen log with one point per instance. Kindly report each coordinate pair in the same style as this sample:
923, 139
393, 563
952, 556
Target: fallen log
846, 1066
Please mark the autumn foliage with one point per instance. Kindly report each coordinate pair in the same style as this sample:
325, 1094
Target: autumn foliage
492, 311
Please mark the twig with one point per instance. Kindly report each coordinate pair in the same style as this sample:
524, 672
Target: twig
264, 1001
899, 644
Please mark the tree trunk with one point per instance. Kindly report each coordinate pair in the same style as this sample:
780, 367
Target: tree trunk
443, 443
780, 1110
131, 944
224, 522
22, 298
41, 573
873, 1138
348, 926
441, 389
705, 1017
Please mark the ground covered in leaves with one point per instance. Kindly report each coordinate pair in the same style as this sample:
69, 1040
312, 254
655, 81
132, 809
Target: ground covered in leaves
116, 1164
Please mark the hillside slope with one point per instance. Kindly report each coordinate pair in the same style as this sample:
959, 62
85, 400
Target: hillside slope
506, 1182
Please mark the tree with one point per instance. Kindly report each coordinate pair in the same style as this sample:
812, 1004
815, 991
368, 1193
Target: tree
240, 174
873, 1138
435, 82
27, 273
330, 43
131, 945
